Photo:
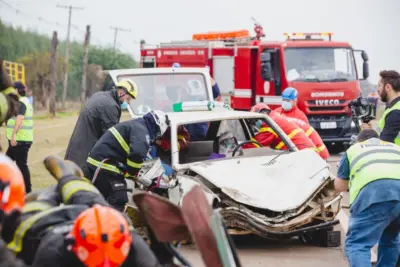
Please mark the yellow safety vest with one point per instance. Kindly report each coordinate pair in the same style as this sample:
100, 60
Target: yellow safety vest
372, 160
381, 123
25, 132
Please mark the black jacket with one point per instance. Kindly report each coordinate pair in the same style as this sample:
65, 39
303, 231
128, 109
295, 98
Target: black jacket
138, 134
7, 258
53, 252
102, 111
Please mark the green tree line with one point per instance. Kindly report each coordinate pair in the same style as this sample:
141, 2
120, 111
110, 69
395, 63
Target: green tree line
32, 49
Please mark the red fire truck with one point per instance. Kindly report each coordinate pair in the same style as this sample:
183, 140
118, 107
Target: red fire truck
250, 70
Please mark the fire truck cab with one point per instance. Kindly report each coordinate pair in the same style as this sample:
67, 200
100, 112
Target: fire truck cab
249, 71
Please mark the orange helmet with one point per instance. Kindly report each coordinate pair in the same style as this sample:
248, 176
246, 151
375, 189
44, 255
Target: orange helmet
101, 237
260, 107
12, 186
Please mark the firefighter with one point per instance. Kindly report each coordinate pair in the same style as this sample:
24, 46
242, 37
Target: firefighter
313, 135
267, 137
102, 111
75, 233
12, 193
120, 153
289, 105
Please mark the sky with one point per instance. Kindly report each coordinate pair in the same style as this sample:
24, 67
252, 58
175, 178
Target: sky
366, 24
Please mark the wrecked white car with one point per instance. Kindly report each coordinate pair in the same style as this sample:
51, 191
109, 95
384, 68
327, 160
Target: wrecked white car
270, 193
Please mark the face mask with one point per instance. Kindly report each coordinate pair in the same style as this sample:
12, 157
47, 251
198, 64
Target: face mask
259, 123
124, 105
287, 105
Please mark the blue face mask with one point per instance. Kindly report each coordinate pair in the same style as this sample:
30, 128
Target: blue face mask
259, 123
287, 105
124, 105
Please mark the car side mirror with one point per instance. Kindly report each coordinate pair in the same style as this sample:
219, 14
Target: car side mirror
266, 66
365, 70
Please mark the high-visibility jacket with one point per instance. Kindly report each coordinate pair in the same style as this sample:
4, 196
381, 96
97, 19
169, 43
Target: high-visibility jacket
381, 123
372, 160
313, 135
25, 132
295, 112
267, 136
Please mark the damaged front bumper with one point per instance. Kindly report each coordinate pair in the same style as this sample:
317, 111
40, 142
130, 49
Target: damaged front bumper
318, 214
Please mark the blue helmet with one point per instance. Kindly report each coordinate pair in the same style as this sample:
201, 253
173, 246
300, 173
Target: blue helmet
290, 93
176, 65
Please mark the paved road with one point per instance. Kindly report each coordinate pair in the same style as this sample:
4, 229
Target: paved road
254, 251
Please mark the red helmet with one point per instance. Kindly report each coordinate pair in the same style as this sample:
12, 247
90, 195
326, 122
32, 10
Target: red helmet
260, 107
101, 237
12, 186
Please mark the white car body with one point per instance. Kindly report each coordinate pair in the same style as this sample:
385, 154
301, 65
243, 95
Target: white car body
266, 192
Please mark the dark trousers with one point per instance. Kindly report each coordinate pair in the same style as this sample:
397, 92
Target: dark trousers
19, 154
111, 185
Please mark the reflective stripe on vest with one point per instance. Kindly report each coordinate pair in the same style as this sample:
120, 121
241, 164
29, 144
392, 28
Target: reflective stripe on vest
309, 131
36, 206
25, 132
120, 139
16, 244
381, 123
281, 143
103, 165
70, 188
370, 161
125, 147
291, 135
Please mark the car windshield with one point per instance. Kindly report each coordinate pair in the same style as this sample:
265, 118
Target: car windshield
320, 64
227, 133
161, 90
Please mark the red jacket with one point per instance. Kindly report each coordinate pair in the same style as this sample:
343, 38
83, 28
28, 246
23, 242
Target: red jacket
295, 112
267, 137
183, 139
313, 135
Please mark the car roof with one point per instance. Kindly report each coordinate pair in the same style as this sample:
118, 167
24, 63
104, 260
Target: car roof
139, 71
186, 117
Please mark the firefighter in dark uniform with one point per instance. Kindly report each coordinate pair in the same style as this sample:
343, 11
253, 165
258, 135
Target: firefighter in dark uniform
76, 233
120, 153
102, 111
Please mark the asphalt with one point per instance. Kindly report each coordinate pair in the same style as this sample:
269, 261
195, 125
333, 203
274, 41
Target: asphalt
254, 251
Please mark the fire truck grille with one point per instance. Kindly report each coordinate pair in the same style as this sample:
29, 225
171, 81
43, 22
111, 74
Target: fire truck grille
326, 108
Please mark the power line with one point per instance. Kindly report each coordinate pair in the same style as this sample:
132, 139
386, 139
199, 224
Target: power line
59, 25
116, 29
65, 84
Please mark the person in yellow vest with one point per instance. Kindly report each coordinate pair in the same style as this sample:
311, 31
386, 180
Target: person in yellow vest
20, 135
389, 92
370, 169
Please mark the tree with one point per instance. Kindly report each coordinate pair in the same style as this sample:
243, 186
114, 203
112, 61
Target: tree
37, 76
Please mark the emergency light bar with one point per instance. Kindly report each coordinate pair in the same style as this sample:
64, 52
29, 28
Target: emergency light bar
198, 106
213, 36
308, 34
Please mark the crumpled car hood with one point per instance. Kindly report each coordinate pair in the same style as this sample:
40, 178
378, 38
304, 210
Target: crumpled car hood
279, 184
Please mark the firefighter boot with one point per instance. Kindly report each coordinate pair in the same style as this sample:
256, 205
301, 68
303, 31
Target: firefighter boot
60, 168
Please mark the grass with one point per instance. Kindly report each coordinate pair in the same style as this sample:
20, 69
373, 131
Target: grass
60, 114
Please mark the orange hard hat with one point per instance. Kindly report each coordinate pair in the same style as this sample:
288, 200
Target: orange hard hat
101, 237
12, 186
260, 107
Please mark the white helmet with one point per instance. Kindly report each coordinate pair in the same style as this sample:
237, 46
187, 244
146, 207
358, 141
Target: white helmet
161, 120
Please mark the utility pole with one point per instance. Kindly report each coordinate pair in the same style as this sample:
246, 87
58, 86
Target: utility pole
53, 76
85, 65
65, 85
116, 29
